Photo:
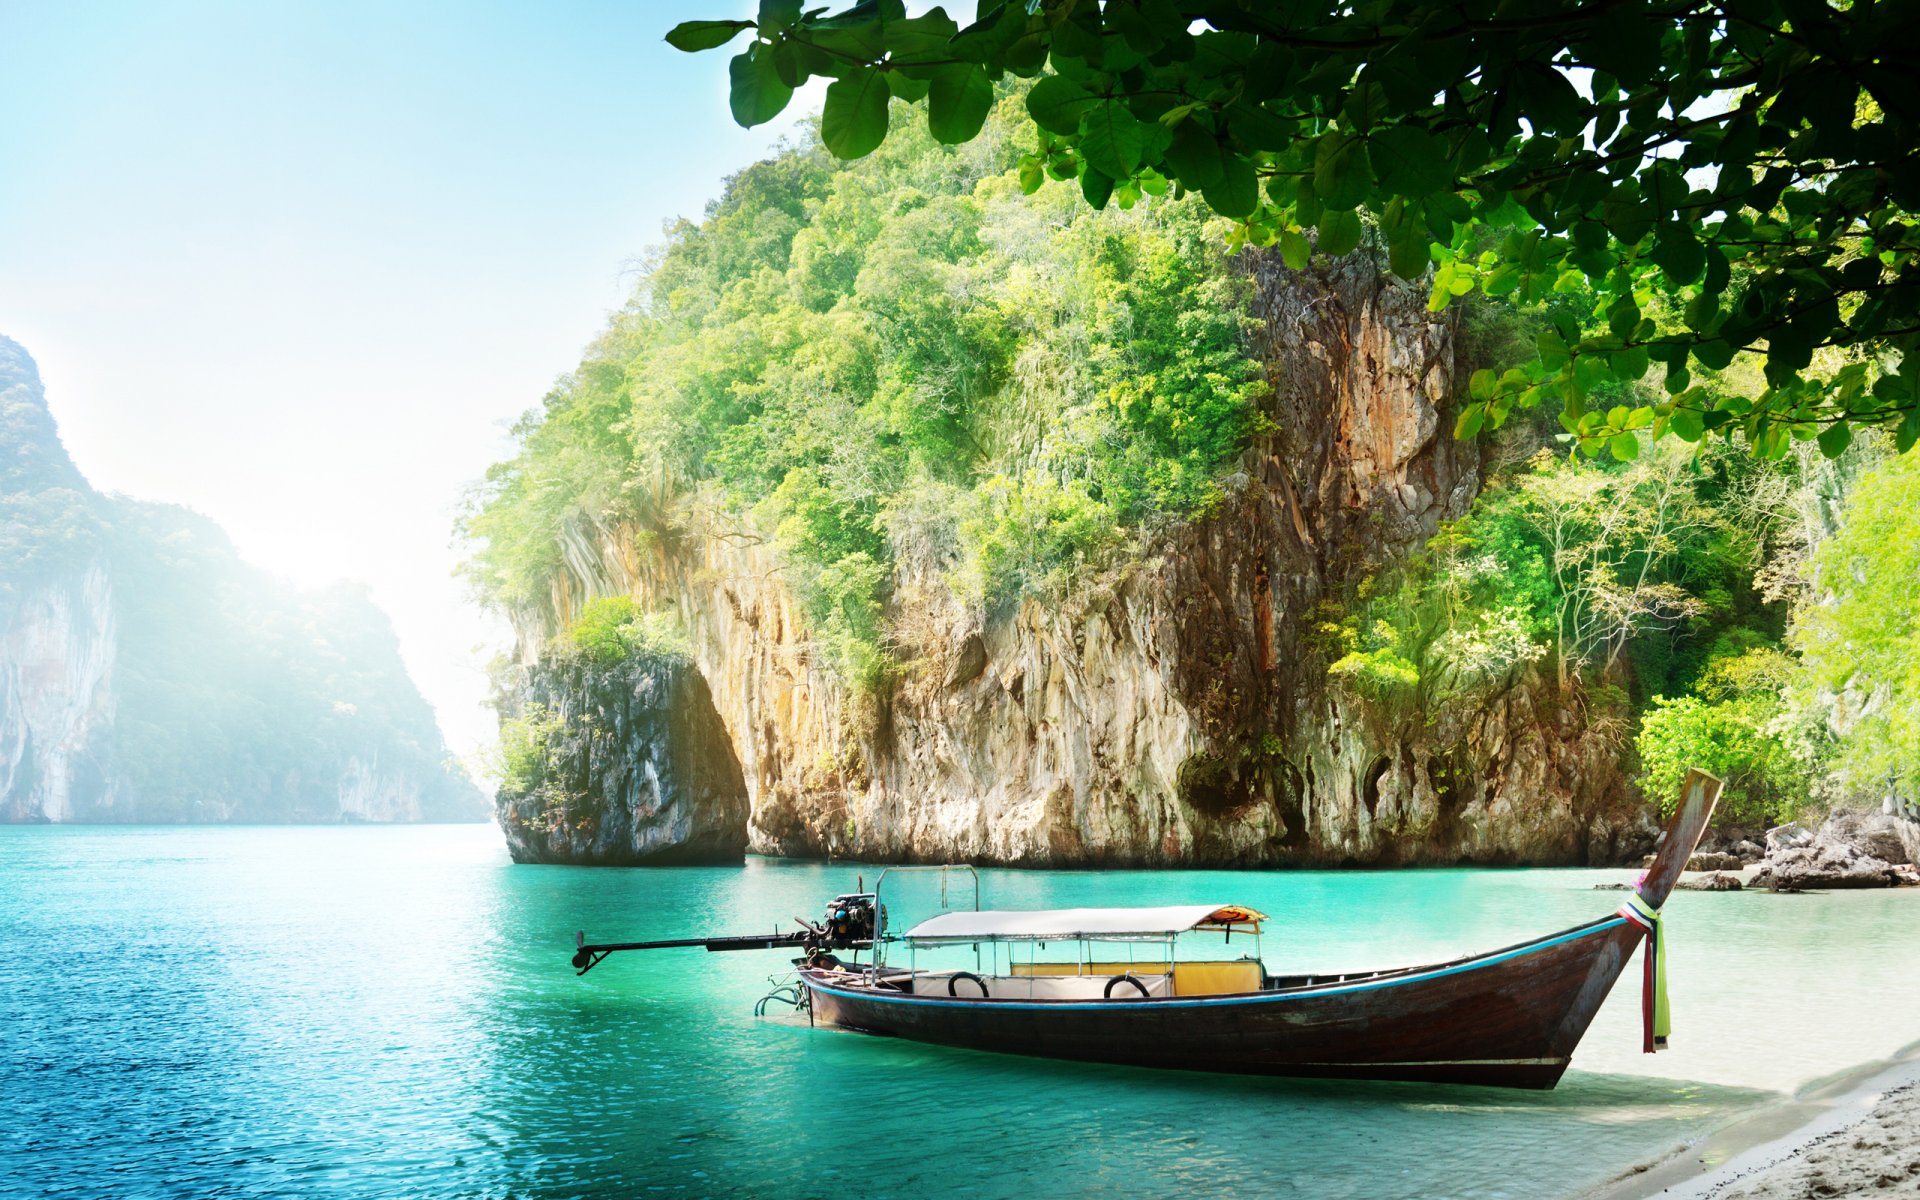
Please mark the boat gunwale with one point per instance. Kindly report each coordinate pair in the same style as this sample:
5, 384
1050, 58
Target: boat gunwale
1393, 977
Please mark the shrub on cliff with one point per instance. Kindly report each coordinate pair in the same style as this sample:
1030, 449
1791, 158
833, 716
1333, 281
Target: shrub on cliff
612, 629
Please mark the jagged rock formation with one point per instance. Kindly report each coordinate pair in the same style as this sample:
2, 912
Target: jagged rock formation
1174, 712
147, 675
633, 766
1847, 850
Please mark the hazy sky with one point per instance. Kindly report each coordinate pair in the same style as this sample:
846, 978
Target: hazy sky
297, 265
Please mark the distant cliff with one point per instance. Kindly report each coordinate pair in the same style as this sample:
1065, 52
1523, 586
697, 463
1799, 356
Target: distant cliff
148, 675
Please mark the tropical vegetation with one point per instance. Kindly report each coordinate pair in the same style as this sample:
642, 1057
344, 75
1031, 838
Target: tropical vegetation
1718, 177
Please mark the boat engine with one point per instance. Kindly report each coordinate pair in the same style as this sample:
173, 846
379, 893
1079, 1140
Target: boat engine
850, 922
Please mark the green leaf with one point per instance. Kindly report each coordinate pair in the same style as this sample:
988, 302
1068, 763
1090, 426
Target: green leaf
1295, 250
1687, 424
958, 102
704, 35
853, 122
756, 94
1909, 431
1714, 355
1625, 446
906, 87
1549, 98
1472, 417
1408, 250
1410, 161
1111, 138
1194, 155
1552, 348
1096, 185
1835, 439
1339, 232
1630, 366
778, 15
1678, 253
1503, 279
1056, 104
1342, 174
1257, 127
1032, 174
1237, 192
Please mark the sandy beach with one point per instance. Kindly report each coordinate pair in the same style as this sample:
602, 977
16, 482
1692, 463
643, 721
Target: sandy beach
1857, 1135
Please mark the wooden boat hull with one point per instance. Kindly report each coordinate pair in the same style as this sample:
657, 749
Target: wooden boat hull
1510, 1018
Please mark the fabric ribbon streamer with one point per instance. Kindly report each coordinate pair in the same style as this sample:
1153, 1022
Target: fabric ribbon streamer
1655, 1021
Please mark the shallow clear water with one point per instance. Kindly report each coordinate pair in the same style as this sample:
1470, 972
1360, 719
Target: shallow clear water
366, 1012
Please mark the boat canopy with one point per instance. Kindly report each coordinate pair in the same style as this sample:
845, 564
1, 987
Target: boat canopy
1073, 924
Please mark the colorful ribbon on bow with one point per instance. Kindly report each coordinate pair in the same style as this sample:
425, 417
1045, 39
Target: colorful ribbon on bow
1656, 1023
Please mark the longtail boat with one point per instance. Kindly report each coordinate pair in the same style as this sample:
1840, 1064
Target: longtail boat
1509, 1017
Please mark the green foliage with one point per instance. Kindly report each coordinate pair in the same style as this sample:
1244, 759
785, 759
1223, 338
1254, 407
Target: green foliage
525, 748
1859, 630
1738, 737
1034, 535
1379, 674
1725, 180
835, 344
1561, 558
1579, 563
612, 629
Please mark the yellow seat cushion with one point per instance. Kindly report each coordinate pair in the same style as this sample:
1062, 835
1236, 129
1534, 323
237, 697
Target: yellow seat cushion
1216, 978
1189, 978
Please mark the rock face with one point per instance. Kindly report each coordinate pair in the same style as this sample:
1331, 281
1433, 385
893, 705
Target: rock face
630, 765
146, 674
1848, 850
1174, 712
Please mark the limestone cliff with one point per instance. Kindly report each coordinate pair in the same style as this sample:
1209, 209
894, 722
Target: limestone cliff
1177, 711
147, 674
56, 697
626, 764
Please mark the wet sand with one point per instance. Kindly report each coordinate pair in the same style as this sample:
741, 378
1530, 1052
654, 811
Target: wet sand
1857, 1134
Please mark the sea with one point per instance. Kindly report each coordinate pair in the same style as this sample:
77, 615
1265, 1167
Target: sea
375, 1012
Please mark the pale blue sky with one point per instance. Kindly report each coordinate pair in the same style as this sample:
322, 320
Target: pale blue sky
296, 264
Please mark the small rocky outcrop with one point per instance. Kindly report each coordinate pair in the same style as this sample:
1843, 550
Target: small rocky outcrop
1847, 850
1715, 862
1709, 881
619, 764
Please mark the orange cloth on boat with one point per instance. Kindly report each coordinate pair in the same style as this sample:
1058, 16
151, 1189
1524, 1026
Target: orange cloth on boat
1234, 914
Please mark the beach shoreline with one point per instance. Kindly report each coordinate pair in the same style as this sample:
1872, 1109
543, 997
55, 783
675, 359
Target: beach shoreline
1849, 1134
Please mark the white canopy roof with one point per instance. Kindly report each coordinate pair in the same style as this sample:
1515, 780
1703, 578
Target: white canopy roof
1069, 924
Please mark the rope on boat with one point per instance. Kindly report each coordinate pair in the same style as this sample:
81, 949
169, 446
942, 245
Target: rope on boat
790, 994
1656, 1022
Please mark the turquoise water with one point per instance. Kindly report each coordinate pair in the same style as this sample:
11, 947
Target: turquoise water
366, 1012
